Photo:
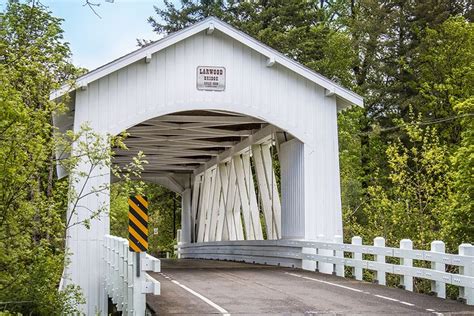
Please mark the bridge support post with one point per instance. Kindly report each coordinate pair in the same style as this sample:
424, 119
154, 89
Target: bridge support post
310, 195
186, 216
292, 189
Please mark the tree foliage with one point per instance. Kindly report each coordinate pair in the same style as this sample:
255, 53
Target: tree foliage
421, 158
33, 61
413, 204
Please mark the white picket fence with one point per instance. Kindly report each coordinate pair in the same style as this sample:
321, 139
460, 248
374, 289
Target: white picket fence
320, 255
122, 284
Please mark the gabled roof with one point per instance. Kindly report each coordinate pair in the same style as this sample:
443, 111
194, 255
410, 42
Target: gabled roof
344, 95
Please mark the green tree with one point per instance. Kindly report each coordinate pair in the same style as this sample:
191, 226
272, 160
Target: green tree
444, 69
33, 61
430, 192
408, 54
412, 206
387, 37
460, 219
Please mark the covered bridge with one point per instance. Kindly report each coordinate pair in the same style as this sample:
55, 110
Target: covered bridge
211, 108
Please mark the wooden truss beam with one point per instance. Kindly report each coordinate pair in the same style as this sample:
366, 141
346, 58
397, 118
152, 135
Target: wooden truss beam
151, 132
258, 137
205, 118
172, 152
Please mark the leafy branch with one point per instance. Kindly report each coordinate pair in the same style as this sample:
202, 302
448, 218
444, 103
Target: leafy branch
88, 155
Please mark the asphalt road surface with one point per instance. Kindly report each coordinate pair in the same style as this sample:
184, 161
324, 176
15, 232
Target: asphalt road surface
205, 287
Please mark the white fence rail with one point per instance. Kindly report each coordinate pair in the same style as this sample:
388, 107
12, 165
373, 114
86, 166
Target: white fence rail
333, 256
123, 284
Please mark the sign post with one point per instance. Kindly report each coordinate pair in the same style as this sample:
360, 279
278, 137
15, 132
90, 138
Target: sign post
138, 226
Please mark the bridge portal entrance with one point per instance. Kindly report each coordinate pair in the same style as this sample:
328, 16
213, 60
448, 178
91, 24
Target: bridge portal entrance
213, 109
222, 164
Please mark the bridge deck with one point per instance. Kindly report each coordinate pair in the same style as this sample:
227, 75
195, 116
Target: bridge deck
199, 287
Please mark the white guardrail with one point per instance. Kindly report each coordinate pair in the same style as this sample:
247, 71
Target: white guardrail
335, 255
122, 283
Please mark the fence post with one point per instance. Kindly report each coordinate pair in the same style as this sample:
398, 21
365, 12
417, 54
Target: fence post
339, 255
125, 276
104, 266
324, 267
139, 299
107, 265
130, 274
111, 268
357, 240
120, 289
116, 273
380, 273
310, 265
178, 243
436, 286
467, 293
406, 281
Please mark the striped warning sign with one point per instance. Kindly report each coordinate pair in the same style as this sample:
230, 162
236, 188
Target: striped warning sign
138, 223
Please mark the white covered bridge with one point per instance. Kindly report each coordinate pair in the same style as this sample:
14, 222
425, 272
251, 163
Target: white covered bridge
212, 108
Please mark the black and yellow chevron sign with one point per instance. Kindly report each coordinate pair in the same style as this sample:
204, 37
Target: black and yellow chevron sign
138, 223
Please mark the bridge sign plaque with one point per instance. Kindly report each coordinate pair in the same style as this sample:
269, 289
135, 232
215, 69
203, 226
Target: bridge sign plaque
210, 78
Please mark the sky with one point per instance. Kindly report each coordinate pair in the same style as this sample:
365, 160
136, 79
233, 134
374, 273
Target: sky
96, 41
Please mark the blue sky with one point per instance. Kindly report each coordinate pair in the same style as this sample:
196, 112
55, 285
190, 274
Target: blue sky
95, 41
